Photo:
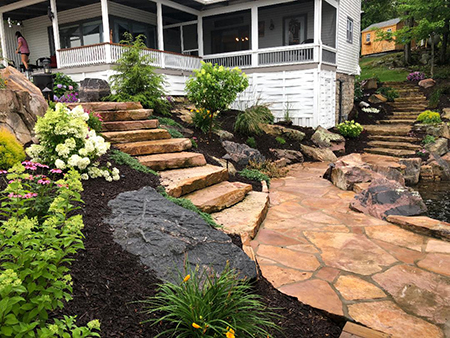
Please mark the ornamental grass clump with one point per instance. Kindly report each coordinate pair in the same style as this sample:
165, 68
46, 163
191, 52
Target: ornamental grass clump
11, 151
429, 117
350, 129
65, 141
35, 257
249, 122
209, 304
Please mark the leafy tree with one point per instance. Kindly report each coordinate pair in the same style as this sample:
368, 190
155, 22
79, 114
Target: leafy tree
377, 11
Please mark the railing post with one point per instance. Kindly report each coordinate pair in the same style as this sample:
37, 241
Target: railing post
3, 42
255, 36
56, 31
200, 36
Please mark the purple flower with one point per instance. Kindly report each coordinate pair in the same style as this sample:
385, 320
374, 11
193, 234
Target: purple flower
59, 85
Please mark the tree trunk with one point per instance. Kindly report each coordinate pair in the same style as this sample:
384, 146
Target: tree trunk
443, 56
432, 54
407, 54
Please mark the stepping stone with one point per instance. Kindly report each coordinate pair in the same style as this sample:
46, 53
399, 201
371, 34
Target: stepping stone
171, 145
394, 145
352, 330
246, 217
423, 225
102, 106
390, 152
129, 125
219, 196
179, 182
172, 160
125, 115
136, 135
388, 138
400, 130
404, 121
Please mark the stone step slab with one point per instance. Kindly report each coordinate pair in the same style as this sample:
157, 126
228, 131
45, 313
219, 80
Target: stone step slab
155, 147
403, 121
129, 125
219, 196
406, 115
423, 225
391, 152
173, 160
410, 108
393, 145
399, 130
352, 330
125, 115
393, 138
410, 99
180, 182
107, 106
136, 135
245, 217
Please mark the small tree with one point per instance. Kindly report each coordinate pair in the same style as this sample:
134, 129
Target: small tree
215, 88
136, 79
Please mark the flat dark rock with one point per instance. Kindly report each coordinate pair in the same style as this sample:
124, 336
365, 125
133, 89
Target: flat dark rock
164, 235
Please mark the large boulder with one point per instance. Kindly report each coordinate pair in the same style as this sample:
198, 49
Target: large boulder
439, 147
20, 105
93, 90
242, 153
224, 135
319, 154
411, 172
377, 98
164, 235
326, 139
281, 131
290, 156
427, 83
385, 197
435, 129
370, 84
445, 113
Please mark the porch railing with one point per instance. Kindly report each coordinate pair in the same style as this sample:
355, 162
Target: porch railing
107, 53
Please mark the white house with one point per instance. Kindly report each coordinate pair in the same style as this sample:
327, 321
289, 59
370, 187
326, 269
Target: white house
296, 53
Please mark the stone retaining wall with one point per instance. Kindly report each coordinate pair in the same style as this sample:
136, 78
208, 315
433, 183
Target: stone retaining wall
348, 91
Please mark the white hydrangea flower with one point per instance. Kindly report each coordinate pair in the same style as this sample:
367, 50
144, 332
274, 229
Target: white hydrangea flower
84, 177
60, 164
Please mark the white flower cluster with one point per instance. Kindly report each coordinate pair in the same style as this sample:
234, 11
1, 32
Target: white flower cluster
371, 110
77, 147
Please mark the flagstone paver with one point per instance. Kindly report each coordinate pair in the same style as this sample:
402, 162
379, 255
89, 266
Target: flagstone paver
313, 247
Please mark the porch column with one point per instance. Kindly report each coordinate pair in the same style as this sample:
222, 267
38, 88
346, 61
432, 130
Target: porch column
201, 51
159, 23
318, 29
3, 37
106, 36
255, 36
55, 30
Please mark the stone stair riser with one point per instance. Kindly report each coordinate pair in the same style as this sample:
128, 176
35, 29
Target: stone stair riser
393, 138
136, 135
125, 115
107, 106
404, 122
394, 145
173, 160
129, 125
155, 147
390, 152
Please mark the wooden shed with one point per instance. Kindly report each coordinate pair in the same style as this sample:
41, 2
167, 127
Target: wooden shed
369, 43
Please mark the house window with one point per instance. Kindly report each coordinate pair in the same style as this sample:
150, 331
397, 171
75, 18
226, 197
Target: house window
81, 34
349, 30
230, 39
389, 30
368, 37
121, 26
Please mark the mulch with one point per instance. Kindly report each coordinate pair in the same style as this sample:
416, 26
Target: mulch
108, 280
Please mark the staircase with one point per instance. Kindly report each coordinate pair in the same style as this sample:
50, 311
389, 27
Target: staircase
185, 174
392, 136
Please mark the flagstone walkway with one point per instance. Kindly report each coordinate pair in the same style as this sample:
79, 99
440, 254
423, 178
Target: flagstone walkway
313, 247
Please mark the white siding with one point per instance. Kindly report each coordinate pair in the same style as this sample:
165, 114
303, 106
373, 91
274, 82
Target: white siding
348, 53
327, 99
130, 13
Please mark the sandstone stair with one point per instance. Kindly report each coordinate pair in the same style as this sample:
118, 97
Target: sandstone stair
185, 174
392, 136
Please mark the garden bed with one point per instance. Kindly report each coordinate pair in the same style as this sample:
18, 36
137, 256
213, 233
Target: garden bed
108, 280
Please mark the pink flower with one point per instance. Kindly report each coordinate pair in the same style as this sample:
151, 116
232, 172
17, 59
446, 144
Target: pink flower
56, 171
3, 172
44, 181
31, 167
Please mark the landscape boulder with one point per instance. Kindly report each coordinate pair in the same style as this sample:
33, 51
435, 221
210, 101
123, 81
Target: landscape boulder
385, 197
319, 154
445, 113
436, 129
242, 153
326, 139
291, 156
284, 132
20, 105
93, 90
427, 83
377, 98
164, 236
370, 84
411, 171
439, 147
224, 135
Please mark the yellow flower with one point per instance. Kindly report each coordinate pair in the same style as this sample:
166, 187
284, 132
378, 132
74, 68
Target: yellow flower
229, 333
196, 326
186, 278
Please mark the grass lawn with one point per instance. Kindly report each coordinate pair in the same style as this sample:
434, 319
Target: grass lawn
369, 70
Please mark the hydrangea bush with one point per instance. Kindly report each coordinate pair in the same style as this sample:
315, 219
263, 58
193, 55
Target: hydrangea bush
415, 76
65, 141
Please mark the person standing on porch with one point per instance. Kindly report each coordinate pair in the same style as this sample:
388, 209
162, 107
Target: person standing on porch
22, 49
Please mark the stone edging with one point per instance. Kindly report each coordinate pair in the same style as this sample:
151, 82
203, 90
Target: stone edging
422, 225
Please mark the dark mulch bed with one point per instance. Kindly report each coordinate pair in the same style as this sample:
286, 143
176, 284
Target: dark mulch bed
108, 279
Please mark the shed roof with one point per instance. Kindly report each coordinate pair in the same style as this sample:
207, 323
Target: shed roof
382, 24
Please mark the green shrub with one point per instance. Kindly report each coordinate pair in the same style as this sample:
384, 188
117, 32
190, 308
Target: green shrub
35, 258
126, 159
349, 129
3, 83
428, 139
205, 120
280, 140
187, 204
94, 122
390, 93
436, 95
210, 304
162, 106
249, 122
215, 87
168, 122
11, 151
63, 84
65, 141
255, 175
359, 93
135, 79
429, 117
251, 142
